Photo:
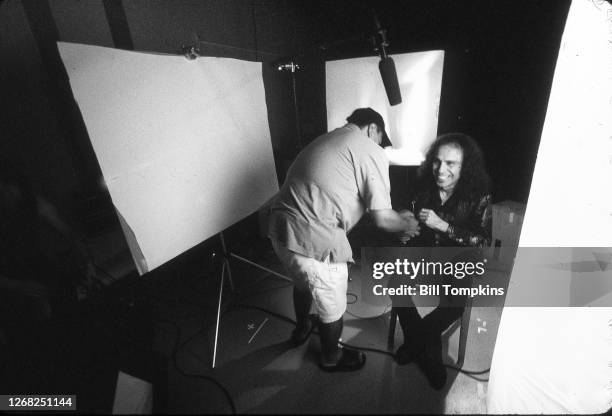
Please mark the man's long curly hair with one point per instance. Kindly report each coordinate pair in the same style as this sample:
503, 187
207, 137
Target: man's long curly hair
474, 179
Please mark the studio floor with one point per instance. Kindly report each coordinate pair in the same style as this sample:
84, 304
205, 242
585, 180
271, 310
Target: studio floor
263, 375
172, 314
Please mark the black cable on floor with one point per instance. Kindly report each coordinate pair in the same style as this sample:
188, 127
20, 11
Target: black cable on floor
178, 345
367, 318
363, 317
375, 350
286, 319
468, 373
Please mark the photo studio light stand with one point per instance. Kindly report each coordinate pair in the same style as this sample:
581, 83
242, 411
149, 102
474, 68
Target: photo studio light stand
192, 52
281, 65
293, 67
226, 255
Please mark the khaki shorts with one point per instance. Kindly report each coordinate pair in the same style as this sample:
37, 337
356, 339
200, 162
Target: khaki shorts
326, 281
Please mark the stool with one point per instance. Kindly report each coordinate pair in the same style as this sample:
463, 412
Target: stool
463, 332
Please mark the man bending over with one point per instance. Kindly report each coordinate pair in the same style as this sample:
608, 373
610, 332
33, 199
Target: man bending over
333, 181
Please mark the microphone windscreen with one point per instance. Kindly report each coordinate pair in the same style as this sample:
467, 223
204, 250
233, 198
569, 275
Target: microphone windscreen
390, 81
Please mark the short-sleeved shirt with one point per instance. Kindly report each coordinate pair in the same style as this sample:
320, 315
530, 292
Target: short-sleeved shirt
328, 188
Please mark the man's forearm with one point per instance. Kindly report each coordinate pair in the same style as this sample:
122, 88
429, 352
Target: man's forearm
393, 223
390, 221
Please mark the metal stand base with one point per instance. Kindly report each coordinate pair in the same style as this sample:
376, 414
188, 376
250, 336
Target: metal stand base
225, 267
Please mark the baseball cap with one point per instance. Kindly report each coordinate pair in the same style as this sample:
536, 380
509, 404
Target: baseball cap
365, 116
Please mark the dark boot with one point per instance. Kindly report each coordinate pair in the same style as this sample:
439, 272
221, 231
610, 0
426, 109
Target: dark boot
430, 361
330, 335
441, 318
334, 358
414, 336
302, 300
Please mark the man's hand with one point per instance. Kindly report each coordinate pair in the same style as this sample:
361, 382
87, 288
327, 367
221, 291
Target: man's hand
414, 228
431, 220
406, 214
394, 222
414, 231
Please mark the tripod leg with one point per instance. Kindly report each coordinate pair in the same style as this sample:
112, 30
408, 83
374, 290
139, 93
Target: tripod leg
214, 360
226, 263
229, 273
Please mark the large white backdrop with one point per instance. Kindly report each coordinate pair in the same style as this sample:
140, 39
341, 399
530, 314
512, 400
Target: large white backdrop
184, 146
557, 360
412, 125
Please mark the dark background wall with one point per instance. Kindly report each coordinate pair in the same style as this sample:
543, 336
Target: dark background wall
499, 64
498, 70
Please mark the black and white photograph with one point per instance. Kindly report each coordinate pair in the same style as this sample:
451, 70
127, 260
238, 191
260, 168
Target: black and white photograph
306, 207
